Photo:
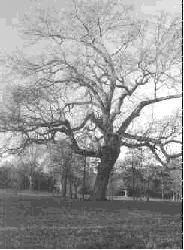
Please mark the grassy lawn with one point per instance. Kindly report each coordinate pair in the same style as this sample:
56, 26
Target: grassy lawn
49, 222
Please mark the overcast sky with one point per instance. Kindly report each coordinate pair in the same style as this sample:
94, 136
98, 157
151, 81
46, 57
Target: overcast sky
11, 10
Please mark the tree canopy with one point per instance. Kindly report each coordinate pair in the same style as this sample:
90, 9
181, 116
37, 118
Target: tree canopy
94, 70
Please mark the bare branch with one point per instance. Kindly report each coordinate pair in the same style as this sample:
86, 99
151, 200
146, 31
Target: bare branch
138, 109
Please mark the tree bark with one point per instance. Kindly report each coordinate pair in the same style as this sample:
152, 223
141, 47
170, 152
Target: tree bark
133, 182
64, 186
110, 154
84, 181
71, 193
75, 191
148, 195
30, 183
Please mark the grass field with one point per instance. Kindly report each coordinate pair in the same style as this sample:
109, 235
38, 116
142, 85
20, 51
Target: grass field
48, 222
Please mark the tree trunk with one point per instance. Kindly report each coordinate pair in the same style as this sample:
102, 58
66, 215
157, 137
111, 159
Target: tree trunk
30, 183
75, 191
64, 186
109, 155
39, 184
173, 198
133, 182
162, 194
71, 193
84, 181
148, 192
162, 190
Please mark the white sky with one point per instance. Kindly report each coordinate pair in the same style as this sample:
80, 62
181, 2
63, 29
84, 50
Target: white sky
11, 10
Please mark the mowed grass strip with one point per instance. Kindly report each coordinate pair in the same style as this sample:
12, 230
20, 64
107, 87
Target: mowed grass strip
49, 222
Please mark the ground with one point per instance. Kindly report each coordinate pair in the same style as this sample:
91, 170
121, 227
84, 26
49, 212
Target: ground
41, 221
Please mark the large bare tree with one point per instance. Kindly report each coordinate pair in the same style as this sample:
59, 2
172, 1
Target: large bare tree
93, 69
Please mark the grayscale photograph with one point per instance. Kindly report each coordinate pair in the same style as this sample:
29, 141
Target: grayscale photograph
91, 124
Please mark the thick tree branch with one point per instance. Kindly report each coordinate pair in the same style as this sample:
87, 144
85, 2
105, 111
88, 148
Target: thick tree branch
138, 109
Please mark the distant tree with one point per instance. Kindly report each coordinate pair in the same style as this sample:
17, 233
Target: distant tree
165, 181
29, 161
176, 185
78, 174
175, 168
42, 181
69, 167
132, 176
60, 162
12, 177
158, 181
5, 180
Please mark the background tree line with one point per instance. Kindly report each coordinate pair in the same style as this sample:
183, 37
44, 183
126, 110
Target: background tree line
58, 169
